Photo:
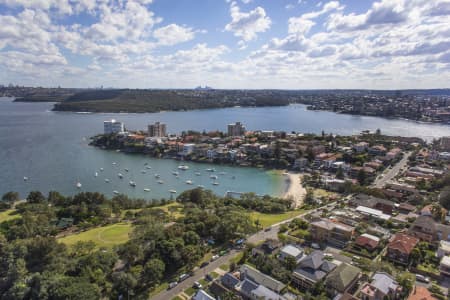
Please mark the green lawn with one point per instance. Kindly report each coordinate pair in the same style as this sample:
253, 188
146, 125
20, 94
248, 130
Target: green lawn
158, 289
107, 236
270, 219
9, 214
190, 291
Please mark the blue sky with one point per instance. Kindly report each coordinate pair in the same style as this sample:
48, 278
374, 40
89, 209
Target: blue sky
291, 44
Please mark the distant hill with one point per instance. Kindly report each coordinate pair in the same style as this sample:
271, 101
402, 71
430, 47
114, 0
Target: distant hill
128, 100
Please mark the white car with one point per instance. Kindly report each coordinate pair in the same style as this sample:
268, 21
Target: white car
214, 257
197, 285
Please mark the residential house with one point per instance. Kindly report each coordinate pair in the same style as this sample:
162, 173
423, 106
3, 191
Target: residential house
252, 274
333, 233
342, 279
444, 266
229, 281
377, 150
291, 251
267, 248
361, 147
428, 230
202, 295
443, 249
382, 286
367, 241
384, 205
400, 247
311, 269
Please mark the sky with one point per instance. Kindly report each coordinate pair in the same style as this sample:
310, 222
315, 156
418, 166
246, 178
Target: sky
251, 44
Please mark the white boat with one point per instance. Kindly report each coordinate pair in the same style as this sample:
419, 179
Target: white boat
175, 173
116, 192
126, 170
132, 183
198, 173
101, 169
120, 175
213, 177
215, 183
172, 191
157, 175
144, 172
118, 150
201, 186
160, 181
183, 167
146, 190
78, 185
107, 180
96, 174
25, 178
114, 163
148, 167
189, 182
210, 170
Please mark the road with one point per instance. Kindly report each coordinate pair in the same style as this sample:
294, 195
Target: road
256, 238
381, 181
198, 274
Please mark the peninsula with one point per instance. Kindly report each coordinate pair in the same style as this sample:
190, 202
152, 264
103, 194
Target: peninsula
418, 105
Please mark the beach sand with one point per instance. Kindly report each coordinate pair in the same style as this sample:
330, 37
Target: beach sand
295, 190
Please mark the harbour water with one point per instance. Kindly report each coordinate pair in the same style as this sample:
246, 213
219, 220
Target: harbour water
51, 148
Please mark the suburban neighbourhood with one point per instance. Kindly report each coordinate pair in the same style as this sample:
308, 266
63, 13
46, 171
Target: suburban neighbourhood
375, 224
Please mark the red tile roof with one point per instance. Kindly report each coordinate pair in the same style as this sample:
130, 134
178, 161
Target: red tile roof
403, 243
420, 293
364, 241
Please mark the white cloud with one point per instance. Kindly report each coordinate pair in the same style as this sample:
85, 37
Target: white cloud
247, 25
173, 34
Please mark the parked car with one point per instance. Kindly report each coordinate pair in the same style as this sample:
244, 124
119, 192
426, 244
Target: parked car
422, 278
209, 277
172, 285
315, 246
197, 285
183, 277
204, 264
214, 257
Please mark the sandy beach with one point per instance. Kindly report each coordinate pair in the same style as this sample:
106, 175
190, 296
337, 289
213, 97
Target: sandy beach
295, 190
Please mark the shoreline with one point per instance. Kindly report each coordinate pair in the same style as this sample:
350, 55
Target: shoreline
294, 189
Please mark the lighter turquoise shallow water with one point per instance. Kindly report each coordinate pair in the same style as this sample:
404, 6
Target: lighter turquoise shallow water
51, 148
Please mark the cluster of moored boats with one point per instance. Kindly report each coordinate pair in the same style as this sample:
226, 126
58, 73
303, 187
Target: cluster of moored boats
132, 184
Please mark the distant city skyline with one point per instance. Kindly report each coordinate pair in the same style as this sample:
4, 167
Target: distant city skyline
254, 44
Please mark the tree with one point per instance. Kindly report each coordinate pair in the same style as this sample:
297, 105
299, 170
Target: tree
362, 177
290, 262
416, 256
153, 271
444, 197
35, 197
10, 197
340, 173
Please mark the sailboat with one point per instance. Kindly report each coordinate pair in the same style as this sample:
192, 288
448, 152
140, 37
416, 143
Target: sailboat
78, 185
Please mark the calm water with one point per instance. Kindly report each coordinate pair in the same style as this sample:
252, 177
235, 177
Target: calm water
51, 148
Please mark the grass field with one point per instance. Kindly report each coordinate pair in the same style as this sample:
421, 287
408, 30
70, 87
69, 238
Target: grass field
9, 214
270, 219
107, 236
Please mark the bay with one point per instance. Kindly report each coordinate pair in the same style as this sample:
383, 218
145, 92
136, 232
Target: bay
51, 148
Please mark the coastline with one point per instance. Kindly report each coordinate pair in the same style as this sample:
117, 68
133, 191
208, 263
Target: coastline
294, 189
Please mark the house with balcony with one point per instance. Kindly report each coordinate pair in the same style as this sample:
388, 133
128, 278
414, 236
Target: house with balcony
311, 269
400, 247
382, 286
333, 233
